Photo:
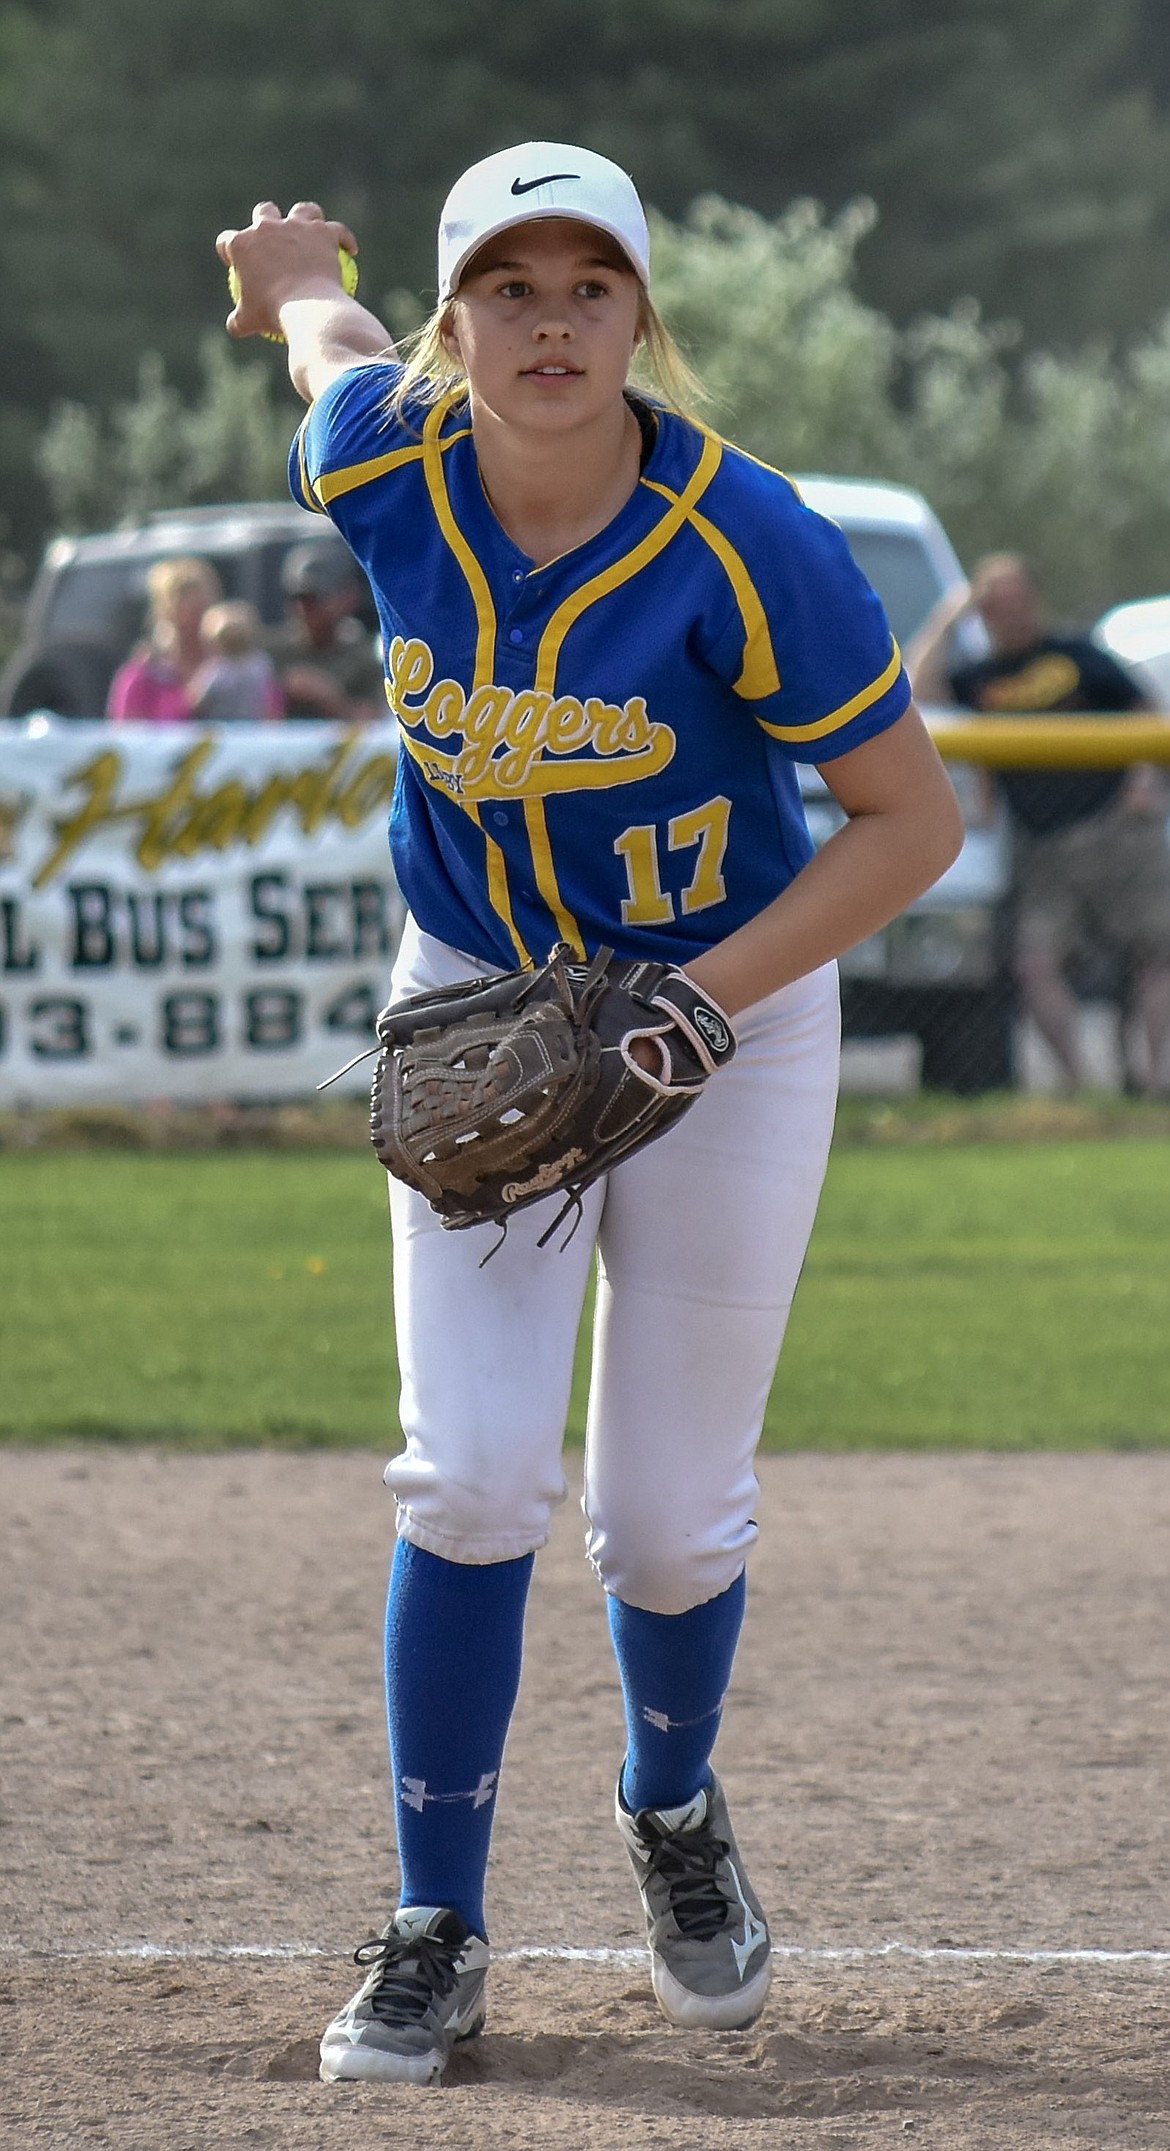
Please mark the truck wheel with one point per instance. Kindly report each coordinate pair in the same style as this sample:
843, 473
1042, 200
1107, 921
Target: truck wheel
69, 682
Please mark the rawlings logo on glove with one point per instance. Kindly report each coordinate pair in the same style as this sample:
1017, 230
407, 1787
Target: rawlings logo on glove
494, 1094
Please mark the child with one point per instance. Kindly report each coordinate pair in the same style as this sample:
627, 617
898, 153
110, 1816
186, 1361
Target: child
237, 681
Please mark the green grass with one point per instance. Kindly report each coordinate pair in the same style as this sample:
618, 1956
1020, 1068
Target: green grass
984, 1295
991, 1297
240, 1297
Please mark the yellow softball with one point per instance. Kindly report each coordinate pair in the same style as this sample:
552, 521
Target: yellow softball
349, 279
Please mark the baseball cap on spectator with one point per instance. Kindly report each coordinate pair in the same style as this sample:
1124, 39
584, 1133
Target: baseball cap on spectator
539, 179
317, 571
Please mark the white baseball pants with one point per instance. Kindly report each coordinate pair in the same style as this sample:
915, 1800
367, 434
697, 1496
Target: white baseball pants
699, 1240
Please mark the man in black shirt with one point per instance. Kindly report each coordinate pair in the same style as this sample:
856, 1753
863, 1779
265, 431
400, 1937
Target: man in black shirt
1090, 857
324, 652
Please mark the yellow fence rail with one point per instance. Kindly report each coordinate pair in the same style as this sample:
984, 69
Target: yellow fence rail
1030, 742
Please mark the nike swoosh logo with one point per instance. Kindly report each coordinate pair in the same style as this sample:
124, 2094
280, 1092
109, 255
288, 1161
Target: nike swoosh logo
525, 186
754, 1930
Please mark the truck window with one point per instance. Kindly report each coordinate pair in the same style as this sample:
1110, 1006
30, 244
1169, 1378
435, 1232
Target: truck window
92, 595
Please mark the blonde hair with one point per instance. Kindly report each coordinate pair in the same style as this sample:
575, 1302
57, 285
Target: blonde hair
168, 579
233, 627
430, 372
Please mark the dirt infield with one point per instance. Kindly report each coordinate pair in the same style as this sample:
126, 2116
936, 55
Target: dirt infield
949, 1733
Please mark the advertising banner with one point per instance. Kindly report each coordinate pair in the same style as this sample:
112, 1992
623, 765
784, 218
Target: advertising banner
191, 912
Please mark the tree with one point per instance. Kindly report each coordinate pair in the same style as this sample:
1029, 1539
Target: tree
1066, 457
1017, 155
230, 443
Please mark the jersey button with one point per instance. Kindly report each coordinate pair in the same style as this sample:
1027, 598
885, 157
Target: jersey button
517, 575
500, 818
515, 634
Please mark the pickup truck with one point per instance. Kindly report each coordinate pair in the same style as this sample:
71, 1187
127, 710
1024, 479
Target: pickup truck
88, 603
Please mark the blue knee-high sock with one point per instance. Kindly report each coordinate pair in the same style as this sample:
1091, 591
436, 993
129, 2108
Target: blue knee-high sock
454, 1637
675, 1670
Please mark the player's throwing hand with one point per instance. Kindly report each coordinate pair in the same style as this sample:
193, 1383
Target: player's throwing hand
275, 259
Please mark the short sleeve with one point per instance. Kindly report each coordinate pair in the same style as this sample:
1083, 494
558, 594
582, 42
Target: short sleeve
964, 684
1110, 682
345, 434
820, 666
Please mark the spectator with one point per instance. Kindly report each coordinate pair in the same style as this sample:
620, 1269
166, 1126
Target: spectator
237, 680
1091, 867
153, 686
327, 657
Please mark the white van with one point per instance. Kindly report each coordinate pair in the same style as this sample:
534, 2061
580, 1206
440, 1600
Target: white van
937, 973
1138, 636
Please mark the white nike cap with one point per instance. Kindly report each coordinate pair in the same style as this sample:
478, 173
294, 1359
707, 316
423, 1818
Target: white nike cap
539, 179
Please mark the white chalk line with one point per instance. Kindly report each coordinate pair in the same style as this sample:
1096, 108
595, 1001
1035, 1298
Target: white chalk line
564, 1953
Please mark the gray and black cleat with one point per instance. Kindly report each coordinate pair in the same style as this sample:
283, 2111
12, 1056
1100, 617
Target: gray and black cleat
423, 1993
709, 1946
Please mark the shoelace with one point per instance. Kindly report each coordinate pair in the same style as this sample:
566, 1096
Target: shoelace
415, 1970
687, 1864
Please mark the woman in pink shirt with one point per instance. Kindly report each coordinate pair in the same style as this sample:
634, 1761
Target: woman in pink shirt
153, 686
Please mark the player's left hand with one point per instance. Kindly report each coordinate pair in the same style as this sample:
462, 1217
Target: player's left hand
496, 1093
278, 258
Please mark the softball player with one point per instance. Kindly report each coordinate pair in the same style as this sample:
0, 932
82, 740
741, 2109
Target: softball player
610, 637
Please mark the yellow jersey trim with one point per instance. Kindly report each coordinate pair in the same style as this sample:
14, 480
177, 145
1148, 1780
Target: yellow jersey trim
499, 895
629, 565
546, 878
799, 733
308, 489
759, 676
497, 882
548, 656
477, 582
332, 484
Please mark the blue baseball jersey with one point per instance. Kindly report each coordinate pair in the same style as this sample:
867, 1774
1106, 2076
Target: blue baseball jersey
601, 749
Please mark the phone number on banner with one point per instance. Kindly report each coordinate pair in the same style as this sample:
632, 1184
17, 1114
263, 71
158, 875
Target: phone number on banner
189, 1022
